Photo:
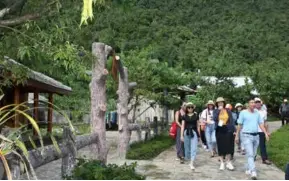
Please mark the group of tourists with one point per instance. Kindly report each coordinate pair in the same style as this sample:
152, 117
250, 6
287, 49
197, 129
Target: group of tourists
220, 127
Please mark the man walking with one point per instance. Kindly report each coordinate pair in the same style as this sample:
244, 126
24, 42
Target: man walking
249, 121
262, 139
284, 112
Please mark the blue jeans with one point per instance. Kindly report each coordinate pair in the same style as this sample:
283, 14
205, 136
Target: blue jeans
210, 133
191, 145
251, 144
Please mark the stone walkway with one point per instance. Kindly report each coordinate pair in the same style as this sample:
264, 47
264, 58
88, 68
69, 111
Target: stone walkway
166, 167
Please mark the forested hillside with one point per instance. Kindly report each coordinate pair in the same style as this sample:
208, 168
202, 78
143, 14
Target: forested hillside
218, 37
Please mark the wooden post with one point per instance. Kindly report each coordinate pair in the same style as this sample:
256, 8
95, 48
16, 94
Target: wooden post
122, 110
155, 126
100, 53
50, 111
16, 102
69, 161
148, 129
139, 131
162, 124
35, 108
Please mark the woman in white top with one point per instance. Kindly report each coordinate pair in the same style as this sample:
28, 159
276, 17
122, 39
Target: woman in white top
210, 132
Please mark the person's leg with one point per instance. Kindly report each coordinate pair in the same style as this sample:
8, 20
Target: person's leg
187, 145
203, 138
262, 145
213, 139
208, 138
194, 148
178, 142
248, 144
255, 142
283, 120
233, 147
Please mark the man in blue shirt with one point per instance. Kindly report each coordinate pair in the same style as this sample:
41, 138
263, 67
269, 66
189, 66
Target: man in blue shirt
249, 121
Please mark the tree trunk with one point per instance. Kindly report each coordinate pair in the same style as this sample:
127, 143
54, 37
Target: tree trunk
122, 110
100, 53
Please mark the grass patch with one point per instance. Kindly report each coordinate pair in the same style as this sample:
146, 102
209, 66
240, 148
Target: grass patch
278, 147
149, 149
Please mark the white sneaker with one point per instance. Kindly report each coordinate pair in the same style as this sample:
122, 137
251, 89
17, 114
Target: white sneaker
229, 166
254, 176
192, 165
204, 146
248, 172
222, 166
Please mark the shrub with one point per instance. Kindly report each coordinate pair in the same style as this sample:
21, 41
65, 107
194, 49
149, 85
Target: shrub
95, 170
278, 147
149, 149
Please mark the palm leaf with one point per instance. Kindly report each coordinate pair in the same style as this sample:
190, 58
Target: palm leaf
22, 147
32, 142
34, 124
55, 144
25, 166
6, 166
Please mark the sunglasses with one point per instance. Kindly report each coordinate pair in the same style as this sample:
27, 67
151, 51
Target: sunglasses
190, 107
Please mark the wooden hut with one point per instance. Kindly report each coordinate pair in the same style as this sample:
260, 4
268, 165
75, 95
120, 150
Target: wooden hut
36, 83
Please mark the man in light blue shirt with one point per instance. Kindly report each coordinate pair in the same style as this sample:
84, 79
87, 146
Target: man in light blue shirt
249, 121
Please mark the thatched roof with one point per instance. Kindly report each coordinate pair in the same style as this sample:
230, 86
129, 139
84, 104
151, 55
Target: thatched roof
41, 78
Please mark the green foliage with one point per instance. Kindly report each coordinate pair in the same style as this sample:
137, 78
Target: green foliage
95, 170
278, 147
149, 149
220, 38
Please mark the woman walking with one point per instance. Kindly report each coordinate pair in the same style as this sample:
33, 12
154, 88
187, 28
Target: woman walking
179, 144
239, 108
189, 133
210, 132
224, 133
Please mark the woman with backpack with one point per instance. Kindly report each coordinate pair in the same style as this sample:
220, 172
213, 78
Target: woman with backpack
179, 144
225, 128
189, 133
210, 132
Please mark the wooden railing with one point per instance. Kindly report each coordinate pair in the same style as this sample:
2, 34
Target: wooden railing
41, 156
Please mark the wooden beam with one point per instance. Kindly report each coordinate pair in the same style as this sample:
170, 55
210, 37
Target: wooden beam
50, 111
35, 108
16, 102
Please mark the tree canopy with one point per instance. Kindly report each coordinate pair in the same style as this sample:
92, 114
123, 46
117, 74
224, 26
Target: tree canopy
219, 38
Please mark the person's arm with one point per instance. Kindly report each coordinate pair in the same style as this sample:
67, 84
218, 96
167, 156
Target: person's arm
280, 109
262, 127
182, 130
177, 119
203, 117
266, 123
239, 127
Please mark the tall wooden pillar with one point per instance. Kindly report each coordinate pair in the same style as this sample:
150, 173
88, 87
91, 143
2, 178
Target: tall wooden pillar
35, 108
50, 111
16, 102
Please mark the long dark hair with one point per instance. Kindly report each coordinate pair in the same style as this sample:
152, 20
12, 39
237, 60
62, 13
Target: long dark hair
219, 102
194, 108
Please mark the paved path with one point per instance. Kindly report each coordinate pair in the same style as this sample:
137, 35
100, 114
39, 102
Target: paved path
166, 167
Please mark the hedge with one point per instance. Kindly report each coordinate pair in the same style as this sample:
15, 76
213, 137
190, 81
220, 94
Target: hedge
95, 170
149, 149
